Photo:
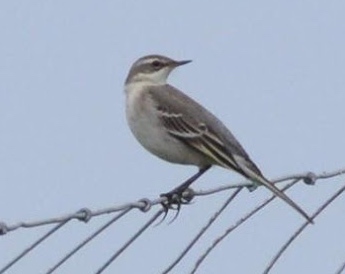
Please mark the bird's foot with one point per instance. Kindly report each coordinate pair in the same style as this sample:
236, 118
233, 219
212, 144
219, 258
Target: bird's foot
174, 199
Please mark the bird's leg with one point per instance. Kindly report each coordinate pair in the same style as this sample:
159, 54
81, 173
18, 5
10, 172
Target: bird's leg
179, 190
175, 196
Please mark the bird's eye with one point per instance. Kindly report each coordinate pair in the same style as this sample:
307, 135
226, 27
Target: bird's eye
156, 64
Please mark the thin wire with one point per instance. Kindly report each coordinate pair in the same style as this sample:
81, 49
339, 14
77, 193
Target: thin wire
32, 246
236, 225
142, 204
130, 241
341, 268
308, 177
301, 228
202, 231
87, 240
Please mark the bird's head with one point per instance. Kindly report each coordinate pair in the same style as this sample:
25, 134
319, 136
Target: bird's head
154, 69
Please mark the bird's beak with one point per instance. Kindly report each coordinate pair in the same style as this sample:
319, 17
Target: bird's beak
183, 62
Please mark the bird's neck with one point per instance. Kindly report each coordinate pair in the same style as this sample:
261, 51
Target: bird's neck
134, 86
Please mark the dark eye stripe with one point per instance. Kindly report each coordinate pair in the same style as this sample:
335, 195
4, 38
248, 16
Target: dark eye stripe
156, 64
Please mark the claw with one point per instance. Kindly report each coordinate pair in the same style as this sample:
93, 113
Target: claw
174, 200
166, 209
178, 201
173, 219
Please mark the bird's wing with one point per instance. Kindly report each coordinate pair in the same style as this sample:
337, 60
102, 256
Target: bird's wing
194, 125
198, 136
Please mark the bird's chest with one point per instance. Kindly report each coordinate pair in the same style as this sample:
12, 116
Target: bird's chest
139, 112
146, 126
142, 119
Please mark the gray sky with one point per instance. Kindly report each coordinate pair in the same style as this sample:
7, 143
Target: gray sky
273, 71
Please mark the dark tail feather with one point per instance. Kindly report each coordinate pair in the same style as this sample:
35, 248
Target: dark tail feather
276, 191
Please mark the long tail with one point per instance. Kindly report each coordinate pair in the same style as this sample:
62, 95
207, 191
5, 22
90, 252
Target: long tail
276, 191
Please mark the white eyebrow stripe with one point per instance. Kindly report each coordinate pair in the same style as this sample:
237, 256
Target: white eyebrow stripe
147, 61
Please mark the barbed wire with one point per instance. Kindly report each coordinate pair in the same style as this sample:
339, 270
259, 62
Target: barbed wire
145, 205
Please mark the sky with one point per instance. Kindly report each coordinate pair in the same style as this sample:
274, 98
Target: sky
272, 71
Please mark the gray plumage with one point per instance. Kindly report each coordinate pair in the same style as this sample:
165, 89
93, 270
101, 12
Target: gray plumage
176, 128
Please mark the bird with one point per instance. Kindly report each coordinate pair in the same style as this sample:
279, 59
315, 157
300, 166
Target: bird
174, 127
